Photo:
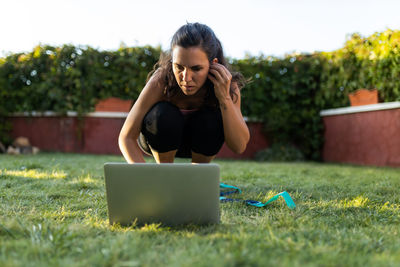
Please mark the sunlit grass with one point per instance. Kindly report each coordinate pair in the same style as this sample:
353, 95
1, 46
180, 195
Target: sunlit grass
358, 201
34, 174
53, 212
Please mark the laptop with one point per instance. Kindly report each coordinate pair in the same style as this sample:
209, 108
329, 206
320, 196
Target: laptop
169, 193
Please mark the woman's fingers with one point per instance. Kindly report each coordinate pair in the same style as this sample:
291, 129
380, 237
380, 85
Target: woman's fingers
217, 74
225, 70
212, 78
222, 71
221, 78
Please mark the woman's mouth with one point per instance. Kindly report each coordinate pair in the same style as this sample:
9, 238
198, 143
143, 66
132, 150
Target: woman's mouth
187, 87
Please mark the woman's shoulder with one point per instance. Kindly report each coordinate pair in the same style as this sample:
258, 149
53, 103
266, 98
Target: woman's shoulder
157, 79
154, 88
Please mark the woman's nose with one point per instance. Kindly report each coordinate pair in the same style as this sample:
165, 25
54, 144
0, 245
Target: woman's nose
186, 76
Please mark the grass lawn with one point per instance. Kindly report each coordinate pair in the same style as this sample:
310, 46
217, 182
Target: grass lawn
53, 212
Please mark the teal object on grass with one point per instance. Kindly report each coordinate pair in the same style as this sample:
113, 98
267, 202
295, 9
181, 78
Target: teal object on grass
236, 189
288, 199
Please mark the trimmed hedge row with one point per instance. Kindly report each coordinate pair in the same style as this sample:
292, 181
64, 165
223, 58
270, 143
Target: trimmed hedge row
282, 94
287, 93
72, 78
372, 62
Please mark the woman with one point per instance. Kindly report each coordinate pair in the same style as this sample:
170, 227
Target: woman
190, 105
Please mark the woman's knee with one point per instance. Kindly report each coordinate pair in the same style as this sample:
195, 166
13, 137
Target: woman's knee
207, 132
162, 117
163, 126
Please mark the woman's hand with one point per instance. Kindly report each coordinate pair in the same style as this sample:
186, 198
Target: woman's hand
236, 133
221, 77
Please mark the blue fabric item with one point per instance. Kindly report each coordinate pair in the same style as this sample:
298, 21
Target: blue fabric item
288, 199
224, 193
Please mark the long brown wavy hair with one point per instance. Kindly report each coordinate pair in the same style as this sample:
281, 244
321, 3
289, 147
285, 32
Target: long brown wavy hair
195, 35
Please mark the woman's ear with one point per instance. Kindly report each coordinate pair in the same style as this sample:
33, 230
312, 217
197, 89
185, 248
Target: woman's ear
215, 60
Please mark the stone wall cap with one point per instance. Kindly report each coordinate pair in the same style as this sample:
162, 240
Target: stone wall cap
357, 109
98, 114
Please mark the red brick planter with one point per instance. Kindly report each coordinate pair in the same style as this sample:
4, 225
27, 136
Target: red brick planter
366, 135
114, 104
98, 133
363, 97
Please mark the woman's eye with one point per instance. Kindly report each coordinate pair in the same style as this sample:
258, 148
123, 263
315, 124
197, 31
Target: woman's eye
181, 68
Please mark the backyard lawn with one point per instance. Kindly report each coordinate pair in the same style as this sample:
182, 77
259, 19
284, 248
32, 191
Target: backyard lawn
53, 212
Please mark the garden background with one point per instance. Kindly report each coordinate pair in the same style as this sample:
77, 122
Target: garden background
53, 209
285, 94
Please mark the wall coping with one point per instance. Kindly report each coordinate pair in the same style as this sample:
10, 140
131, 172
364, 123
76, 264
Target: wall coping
357, 109
96, 114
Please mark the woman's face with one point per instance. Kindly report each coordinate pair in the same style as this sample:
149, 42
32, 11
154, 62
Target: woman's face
190, 67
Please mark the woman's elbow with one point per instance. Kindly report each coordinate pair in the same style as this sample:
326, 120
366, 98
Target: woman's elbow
244, 143
122, 138
240, 147
121, 142
240, 150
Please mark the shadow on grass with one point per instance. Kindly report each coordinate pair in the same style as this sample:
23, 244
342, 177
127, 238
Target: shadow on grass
204, 229
324, 204
68, 201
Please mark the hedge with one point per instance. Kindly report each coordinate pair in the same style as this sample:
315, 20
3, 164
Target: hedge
286, 94
372, 62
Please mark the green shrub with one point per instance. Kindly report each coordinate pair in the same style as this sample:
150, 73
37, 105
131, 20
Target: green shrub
280, 152
364, 62
282, 96
72, 78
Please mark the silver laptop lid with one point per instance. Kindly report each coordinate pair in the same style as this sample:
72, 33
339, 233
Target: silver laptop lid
171, 194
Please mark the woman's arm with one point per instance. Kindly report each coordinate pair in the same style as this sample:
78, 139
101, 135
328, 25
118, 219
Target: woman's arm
151, 94
235, 129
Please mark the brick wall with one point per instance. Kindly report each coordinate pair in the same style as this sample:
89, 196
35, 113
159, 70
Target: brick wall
99, 134
367, 135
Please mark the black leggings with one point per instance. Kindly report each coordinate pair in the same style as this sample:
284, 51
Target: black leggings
165, 128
